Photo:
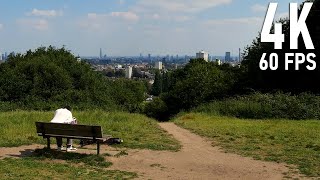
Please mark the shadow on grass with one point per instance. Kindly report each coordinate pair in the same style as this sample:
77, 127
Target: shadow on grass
87, 159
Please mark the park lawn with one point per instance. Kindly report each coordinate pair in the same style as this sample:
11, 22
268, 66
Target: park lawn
18, 128
31, 168
289, 141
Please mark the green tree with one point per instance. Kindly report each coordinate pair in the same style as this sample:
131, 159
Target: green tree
49, 78
198, 82
157, 85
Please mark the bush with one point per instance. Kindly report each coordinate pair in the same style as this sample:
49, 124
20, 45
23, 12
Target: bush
157, 109
263, 106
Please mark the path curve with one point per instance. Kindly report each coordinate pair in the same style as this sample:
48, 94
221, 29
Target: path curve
198, 159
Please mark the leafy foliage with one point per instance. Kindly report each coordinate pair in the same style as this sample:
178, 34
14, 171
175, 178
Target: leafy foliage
156, 109
48, 78
198, 82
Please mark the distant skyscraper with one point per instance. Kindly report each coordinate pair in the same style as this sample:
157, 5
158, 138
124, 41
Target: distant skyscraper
202, 55
186, 58
149, 57
164, 60
158, 65
100, 53
239, 55
129, 72
228, 57
5, 56
0, 56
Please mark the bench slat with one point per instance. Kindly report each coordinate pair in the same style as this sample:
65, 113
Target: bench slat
69, 130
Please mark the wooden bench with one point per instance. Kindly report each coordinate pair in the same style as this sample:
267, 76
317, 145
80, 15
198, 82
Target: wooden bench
72, 131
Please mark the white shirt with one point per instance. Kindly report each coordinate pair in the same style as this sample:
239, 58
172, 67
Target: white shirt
62, 116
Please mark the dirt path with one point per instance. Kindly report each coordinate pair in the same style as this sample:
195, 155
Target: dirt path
196, 160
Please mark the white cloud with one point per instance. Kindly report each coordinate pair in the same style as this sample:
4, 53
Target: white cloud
129, 16
96, 21
235, 21
282, 15
37, 24
182, 18
156, 16
190, 6
45, 13
1, 26
259, 8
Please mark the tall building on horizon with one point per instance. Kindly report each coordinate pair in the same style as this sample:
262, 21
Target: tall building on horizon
149, 58
129, 72
202, 55
227, 57
100, 53
158, 65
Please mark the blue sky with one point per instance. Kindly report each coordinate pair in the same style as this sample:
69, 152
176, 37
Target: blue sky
131, 27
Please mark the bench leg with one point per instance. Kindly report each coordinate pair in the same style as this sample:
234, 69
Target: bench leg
48, 142
98, 147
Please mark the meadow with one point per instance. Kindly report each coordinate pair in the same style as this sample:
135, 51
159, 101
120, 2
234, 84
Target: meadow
18, 128
289, 141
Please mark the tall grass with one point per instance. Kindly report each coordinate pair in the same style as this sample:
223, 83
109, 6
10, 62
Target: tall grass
264, 106
293, 142
18, 128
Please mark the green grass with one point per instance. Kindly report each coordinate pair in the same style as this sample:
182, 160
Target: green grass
293, 142
30, 168
18, 128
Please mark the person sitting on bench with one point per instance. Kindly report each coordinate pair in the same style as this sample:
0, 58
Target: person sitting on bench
64, 115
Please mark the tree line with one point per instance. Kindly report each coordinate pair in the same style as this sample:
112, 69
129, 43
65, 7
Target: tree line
49, 78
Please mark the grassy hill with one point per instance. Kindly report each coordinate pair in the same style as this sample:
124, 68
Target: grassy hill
293, 142
18, 128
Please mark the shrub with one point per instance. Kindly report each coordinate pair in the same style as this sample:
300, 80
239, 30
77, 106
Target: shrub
261, 106
157, 109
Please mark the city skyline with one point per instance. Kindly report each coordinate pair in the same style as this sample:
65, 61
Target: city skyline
131, 27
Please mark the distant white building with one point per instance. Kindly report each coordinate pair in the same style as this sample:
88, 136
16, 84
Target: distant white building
218, 61
118, 66
129, 72
0, 56
158, 65
202, 55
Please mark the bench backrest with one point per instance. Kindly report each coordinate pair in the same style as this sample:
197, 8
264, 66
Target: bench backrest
68, 130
